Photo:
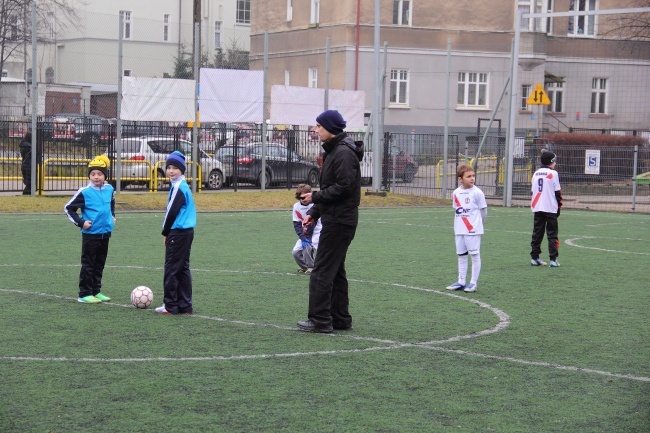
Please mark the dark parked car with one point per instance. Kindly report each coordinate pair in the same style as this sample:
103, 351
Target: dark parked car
136, 128
401, 163
78, 128
397, 161
281, 165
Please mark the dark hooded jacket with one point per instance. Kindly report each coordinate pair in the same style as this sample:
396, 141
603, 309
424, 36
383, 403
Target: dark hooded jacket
26, 154
340, 182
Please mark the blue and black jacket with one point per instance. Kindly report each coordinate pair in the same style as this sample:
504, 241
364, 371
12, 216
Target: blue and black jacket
97, 204
181, 212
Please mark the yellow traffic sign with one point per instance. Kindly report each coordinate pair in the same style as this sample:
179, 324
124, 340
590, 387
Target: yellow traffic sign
538, 96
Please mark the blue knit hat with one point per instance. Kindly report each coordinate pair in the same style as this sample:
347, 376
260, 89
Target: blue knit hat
177, 159
332, 121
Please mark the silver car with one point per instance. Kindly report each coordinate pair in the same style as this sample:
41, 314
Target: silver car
142, 157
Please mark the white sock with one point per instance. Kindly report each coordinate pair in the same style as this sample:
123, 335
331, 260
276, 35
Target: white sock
462, 269
476, 267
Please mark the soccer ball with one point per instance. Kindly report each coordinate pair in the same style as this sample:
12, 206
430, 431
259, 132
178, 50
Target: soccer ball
141, 297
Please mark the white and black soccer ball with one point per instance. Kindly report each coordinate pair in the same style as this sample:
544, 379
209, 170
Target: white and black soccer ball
141, 297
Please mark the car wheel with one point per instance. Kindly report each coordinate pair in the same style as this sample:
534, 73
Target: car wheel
267, 182
215, 180
366, 180
312, 178
409, 174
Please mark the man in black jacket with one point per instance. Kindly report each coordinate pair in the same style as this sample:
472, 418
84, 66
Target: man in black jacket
337, 205
26, 163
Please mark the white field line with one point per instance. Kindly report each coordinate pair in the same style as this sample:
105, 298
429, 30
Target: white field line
539, 364
392, 345
572, 243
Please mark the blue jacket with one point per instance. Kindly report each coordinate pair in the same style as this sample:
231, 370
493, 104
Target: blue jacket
181, 212
97, 205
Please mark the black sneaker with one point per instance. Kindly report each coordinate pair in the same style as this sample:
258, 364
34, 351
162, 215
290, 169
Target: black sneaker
309, 326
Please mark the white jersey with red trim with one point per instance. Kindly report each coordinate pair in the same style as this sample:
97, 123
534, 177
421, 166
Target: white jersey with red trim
544, 184
299, 213
467, 204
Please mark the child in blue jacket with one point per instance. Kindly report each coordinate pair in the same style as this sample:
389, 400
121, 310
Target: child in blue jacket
97, 204
178, 234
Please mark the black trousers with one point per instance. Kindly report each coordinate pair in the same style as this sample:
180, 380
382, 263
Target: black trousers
545, 222
178, 278
328, 284
27, 179
94, 249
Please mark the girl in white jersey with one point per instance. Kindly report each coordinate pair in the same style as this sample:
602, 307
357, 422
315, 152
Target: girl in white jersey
470, 212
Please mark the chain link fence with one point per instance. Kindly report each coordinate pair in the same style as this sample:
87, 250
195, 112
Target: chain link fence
592, 95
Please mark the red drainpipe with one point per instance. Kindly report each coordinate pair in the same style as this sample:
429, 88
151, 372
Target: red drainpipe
356, 48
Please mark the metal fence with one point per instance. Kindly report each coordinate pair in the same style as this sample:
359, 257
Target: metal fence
411, 163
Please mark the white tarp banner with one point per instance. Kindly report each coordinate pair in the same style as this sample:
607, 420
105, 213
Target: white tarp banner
157, 99
231, 96
292, 105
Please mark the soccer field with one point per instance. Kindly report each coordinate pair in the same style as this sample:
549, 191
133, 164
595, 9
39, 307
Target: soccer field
534, 350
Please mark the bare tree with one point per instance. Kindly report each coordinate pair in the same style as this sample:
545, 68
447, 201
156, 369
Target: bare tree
630, 27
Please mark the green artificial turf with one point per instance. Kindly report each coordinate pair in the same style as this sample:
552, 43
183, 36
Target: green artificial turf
534, 350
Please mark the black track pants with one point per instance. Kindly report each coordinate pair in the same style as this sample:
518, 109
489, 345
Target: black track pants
545, 222
178, 278
94, 249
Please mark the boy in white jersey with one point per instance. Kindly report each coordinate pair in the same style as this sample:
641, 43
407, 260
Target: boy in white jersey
471, 210
545, 204
304, 251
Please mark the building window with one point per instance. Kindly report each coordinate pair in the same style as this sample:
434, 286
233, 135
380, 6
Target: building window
50, 31
399, 86
579, 24
287, 77
402, 12
49, 75
166, 28
535, 6
126, 19
127, 73
315, 12
472, 89
217, 35
555, 92
525, 93
12, 33
289, 10
243, 11
599, 96
313, 77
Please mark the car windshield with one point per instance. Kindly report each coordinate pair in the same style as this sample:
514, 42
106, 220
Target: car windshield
278, 152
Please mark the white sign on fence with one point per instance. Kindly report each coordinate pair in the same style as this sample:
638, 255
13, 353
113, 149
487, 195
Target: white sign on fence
592, 161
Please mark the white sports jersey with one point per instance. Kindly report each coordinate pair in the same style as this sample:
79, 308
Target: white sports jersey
468, 204
544, 184
299, 213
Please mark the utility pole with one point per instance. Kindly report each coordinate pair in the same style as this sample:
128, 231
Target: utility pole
196, 14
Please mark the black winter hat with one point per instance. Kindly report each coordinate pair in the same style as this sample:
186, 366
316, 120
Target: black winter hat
332, 121
547, 157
